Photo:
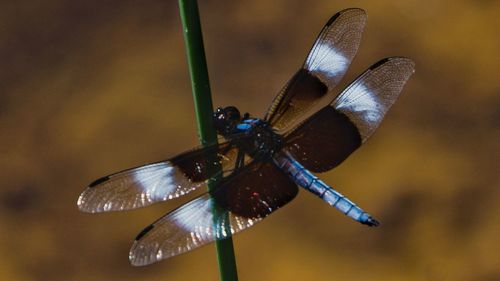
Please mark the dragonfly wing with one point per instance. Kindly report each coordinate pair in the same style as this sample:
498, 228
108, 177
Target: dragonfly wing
329, 136
238, 203
366, 101
186, 228
145, 185
257, 191
324, 67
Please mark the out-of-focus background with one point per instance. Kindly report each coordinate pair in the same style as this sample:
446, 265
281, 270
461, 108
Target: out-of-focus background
91, 87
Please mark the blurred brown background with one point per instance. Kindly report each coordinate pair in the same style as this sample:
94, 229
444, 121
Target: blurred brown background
91, 87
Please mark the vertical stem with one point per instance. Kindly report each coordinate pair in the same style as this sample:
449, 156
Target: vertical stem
204, 110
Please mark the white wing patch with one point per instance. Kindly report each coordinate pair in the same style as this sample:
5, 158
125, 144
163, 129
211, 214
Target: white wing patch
196, 223
362, 101
328, 60
156, 186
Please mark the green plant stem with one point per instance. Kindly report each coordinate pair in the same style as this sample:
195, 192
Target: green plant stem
204, 111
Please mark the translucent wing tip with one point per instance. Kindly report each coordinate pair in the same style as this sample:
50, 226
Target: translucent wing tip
136, 257
148, 250
142, 254
403, 63
82, 202
350, 11
91, 201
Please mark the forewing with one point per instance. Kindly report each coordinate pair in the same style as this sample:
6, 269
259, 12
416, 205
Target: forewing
328, 137
145, 185
324, 67
201, 221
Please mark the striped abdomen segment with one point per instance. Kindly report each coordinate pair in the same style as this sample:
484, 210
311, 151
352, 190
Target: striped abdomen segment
307, 180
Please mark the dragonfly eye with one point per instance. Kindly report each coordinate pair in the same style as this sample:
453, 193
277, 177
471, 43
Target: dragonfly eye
225, 119
232, 114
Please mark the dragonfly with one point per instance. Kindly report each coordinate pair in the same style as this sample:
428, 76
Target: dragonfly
261, 162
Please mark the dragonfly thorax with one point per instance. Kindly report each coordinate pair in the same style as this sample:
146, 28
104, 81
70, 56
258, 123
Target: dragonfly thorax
252, 135
261, 141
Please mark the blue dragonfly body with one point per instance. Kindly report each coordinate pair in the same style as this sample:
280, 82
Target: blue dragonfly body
313, 184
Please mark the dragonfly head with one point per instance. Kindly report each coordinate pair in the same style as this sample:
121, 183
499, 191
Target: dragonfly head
225, 119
